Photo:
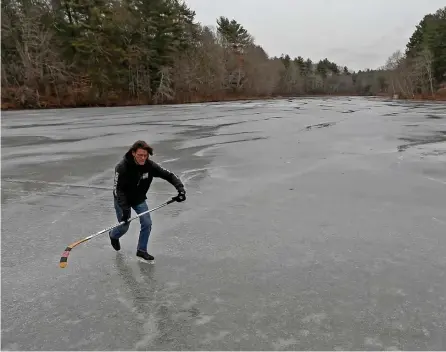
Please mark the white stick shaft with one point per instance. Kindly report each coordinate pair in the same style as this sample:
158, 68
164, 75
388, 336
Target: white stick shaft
131, 219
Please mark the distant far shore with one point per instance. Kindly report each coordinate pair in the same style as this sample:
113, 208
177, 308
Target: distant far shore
53, 104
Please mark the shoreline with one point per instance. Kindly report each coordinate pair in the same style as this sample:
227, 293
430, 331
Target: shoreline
228, 98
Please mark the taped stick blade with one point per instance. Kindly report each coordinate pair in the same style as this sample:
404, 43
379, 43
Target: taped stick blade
64, 258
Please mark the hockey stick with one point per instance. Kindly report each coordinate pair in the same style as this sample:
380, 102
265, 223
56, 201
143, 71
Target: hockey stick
64, 258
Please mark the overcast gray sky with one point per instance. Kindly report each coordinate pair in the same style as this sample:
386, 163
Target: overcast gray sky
356, 33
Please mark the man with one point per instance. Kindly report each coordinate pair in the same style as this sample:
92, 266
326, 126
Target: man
133, 177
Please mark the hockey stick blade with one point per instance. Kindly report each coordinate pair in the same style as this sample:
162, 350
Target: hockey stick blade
64, 258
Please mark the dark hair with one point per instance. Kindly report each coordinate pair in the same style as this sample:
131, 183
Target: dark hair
141, 145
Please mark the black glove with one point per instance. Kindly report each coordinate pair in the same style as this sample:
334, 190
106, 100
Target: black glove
125, 214
181, 197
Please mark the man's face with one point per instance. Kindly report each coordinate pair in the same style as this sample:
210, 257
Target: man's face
140, 156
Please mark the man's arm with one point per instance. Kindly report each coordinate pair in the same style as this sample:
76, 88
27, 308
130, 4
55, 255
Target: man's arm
119, 187
167, 175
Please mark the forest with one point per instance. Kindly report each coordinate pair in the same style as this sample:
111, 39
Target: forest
77, 53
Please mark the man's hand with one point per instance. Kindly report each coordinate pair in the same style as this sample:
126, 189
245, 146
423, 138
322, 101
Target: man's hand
125, 214
181, 197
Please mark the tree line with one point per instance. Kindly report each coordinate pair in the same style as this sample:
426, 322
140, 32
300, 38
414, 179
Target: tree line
421, 69
65, 53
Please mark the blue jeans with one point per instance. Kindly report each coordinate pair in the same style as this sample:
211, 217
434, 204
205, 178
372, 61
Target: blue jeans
145, 221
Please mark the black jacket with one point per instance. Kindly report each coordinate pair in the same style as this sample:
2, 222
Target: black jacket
132, 181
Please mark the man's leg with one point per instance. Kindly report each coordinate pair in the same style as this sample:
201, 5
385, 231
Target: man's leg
119, 231
146, 226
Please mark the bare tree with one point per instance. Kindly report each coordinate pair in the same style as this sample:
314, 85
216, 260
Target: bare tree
424, 59
164, 92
